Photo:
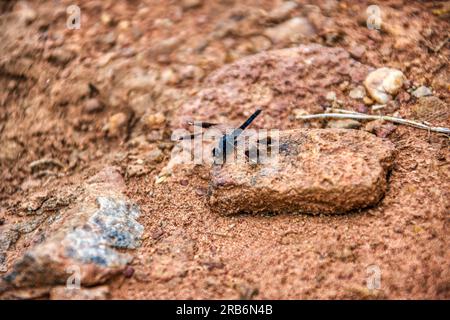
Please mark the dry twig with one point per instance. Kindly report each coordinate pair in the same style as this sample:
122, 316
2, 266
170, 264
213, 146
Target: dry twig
361, 116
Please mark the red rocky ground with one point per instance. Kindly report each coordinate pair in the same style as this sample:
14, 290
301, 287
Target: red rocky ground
106, 97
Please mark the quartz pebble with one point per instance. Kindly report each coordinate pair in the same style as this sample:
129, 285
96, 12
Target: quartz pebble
384, 83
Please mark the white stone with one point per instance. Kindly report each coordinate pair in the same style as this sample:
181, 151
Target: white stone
383, 83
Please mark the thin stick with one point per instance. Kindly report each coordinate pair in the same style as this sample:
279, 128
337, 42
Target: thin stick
337, 110
374, 117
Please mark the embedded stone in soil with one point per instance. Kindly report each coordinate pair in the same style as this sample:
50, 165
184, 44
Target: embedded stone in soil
317, 171
84, 239
277, 81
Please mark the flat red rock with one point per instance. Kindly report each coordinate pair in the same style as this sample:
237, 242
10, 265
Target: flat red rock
276, 81
316, 171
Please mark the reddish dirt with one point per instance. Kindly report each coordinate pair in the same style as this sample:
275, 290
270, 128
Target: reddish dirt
106, 94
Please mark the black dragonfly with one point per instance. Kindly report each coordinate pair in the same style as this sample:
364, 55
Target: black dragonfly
227, 141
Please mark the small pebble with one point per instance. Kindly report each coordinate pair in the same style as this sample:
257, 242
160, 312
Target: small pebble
422, 91
367, 100
156, 120
361, 108
136, 170
201, 191
168, 76
160, 180
331, 96
357, 51
383, 83
116, 122
155, 155
106, 19
93, 105
124, 24
357, 93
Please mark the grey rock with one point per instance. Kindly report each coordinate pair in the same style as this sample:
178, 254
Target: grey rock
113, 225
422, 91
87, 236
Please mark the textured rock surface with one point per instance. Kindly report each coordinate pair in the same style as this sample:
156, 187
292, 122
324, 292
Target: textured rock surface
318, 171
7, 239
277, 81
83, 239
431, 109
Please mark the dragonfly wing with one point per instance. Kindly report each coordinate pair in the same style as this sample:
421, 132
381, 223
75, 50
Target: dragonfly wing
189, 136
202, 124
194, 135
